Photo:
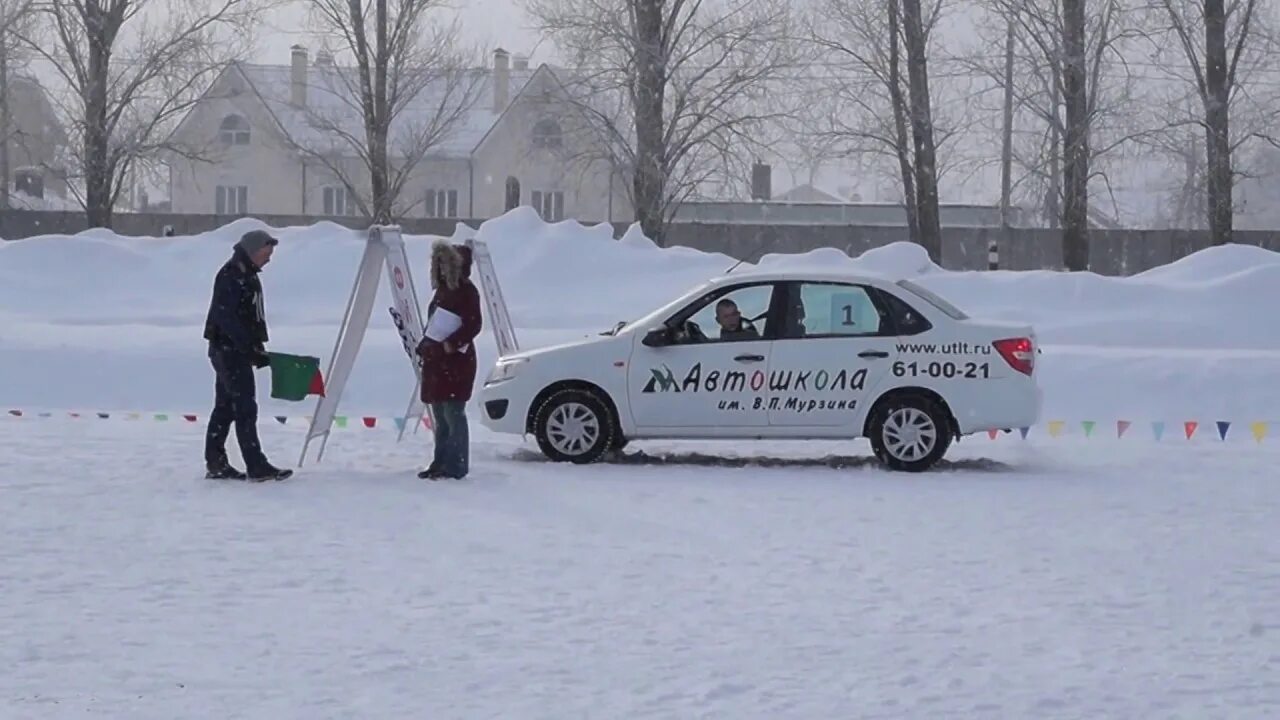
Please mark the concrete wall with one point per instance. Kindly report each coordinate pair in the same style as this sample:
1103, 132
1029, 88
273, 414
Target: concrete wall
1112, 252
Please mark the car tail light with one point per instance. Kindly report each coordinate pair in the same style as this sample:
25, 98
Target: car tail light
1020, 353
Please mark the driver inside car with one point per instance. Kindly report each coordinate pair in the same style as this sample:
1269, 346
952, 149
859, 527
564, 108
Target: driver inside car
732, 325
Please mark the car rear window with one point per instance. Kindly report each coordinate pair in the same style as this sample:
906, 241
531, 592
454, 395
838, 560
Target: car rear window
946, 307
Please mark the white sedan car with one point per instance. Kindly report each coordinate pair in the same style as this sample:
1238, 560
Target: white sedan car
775, 356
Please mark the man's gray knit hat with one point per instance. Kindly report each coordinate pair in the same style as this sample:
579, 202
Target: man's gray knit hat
254, 240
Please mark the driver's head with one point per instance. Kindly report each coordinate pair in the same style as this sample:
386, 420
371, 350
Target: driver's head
728, 315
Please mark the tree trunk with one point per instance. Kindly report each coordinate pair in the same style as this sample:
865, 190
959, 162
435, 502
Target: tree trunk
1075, 150
650, 178
926, 173
902, 140
97, 165
1053, 196
379, 173
1190, 212
1006, 148
1217, 130
6, 122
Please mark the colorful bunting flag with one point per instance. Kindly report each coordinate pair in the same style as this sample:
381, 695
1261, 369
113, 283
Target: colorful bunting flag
1057, 428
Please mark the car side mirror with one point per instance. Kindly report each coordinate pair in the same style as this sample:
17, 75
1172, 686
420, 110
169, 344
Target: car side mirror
658, 337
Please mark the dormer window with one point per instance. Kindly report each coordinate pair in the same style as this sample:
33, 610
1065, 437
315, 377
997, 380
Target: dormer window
546, 134
234, 130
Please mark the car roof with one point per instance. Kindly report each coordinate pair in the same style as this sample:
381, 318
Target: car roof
802, 275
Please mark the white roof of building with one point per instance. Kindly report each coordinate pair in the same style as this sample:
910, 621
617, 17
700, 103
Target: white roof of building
330, 101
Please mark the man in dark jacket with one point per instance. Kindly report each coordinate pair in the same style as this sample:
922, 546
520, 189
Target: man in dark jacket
449, 363
732, 325
236, 329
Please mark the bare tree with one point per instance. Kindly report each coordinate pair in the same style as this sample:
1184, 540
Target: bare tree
407, 91
1070, 101
132, 69
871, 106
15, 17
1215, 37
678, 91
1075, 149
922, 129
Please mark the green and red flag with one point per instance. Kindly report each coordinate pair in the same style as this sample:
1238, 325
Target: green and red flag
294, 377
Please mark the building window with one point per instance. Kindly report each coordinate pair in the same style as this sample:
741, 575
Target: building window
338, 202
546, 134
442, 203
232, 200
234, 130
549, 204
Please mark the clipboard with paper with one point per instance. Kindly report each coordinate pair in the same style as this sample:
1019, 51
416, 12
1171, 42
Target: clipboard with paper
442, 324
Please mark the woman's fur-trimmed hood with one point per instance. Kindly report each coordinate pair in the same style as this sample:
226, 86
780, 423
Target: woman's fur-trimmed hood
450, 265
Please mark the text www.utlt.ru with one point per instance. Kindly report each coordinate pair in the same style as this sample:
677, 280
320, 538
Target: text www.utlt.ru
955, 348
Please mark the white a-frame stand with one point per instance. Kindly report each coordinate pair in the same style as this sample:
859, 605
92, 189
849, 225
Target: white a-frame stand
504, 333
384, 246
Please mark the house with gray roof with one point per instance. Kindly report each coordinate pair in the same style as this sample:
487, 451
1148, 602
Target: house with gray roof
36, 142
285, 140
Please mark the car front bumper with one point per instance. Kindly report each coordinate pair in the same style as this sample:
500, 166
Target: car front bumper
504, 408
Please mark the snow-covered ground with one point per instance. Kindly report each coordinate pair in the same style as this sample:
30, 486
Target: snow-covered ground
1056, 576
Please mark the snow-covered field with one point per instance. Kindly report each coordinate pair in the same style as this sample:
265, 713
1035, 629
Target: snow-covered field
1056, 576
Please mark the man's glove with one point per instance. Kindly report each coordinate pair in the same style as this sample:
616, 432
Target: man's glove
260, 358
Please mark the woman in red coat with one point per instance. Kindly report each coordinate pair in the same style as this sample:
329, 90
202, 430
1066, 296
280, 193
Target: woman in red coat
449, 360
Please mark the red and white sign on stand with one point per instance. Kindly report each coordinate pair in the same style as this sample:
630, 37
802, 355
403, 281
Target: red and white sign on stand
385, 247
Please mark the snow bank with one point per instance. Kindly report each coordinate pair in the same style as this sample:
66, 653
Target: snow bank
97, 318
567, 276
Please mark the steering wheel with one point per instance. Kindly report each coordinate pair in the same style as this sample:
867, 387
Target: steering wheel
690, 332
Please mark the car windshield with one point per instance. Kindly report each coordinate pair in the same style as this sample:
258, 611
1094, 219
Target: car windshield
929, 296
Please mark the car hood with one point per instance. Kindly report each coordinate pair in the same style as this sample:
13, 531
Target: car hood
601, 341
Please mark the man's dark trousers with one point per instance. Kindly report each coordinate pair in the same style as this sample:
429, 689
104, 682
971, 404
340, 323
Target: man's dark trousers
234, 401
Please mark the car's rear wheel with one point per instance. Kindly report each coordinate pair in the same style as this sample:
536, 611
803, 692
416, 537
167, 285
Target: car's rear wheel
910, 433
574, 426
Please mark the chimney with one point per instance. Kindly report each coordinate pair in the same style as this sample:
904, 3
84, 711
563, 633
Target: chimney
761, 181
520, 62
298, 76
324, 58
501, 79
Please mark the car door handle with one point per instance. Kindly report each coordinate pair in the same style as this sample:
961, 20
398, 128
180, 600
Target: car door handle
873, 354
750, 358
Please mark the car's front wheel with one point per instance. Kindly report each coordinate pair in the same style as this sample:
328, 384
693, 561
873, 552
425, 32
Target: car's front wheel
910, 433
574, 426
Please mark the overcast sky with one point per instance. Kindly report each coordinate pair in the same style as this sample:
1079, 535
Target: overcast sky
490, 23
